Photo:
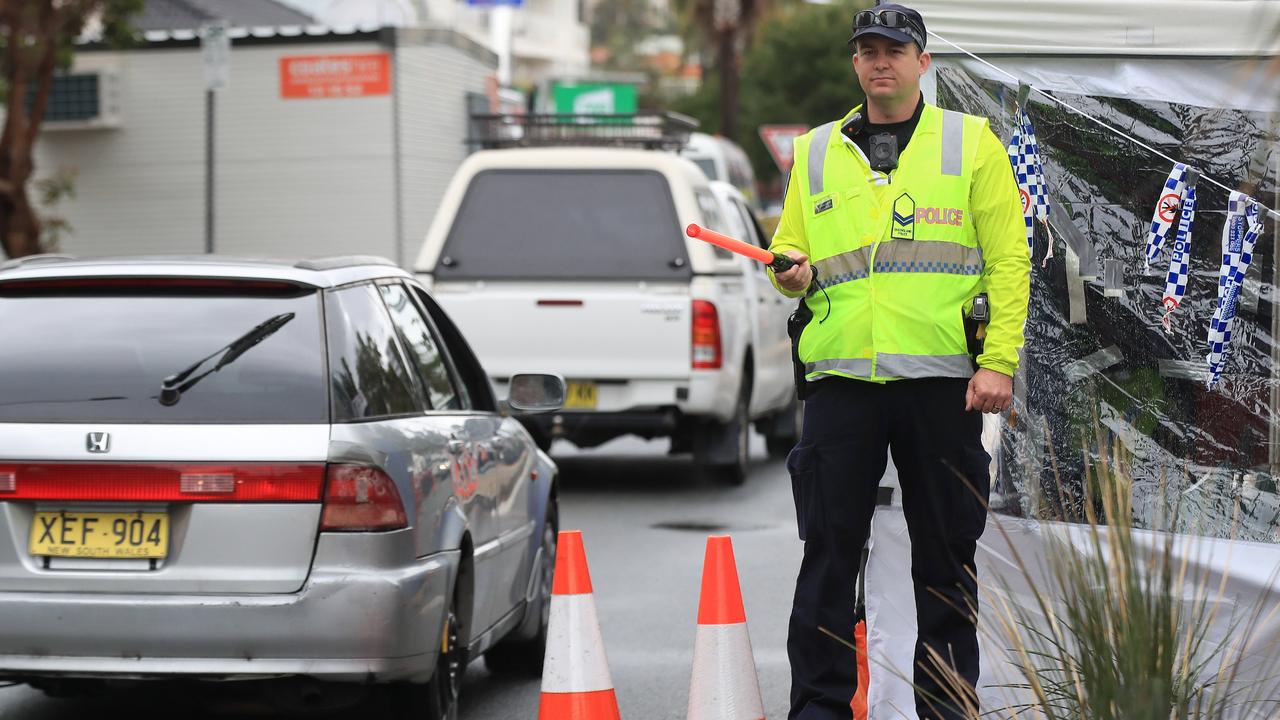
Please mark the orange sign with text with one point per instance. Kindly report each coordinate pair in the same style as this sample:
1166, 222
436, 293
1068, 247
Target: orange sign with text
335, 76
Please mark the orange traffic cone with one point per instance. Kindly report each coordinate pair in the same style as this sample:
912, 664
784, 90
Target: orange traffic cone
576, 684
725, 685
864, 673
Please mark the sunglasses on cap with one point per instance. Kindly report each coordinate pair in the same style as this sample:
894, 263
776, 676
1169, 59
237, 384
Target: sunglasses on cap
891, 19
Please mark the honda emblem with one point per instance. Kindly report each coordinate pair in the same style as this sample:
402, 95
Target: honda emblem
98, 442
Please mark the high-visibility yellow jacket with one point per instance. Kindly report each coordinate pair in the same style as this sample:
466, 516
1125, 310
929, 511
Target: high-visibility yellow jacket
899, 257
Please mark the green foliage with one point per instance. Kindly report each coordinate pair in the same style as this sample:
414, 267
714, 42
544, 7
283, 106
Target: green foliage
798, 71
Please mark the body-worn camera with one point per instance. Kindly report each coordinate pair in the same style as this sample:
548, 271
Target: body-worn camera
883, 149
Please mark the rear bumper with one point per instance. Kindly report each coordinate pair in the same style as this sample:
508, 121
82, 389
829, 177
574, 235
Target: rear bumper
704, 393
346, 624
587, 429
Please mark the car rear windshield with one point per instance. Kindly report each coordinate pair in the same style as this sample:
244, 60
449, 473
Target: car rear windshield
88, 352
565, 224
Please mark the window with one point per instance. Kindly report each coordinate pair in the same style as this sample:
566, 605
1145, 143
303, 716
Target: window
99, 354
708, 167
71, 98
558, 224
755, 233
423, 350
367, 372
714, 219
476, 391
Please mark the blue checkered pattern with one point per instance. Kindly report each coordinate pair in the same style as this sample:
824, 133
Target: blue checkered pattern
1237, 253
1175, 284
1024, 155
1175, 185
947, 268
843, 278
903, 266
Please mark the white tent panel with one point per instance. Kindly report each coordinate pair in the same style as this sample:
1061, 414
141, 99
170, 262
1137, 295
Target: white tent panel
1239, 84
1176, 28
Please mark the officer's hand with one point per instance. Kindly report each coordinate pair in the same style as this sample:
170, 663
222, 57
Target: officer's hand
797, 278
989, 392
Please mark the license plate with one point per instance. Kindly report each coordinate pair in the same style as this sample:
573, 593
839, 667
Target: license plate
100, 534
580, 395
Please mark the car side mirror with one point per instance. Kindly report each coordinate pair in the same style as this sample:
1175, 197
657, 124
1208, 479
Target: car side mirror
536, 393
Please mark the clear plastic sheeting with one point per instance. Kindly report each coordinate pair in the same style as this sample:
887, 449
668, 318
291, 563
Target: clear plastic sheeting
1098, 368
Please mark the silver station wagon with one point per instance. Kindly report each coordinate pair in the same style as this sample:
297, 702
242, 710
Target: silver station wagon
249, 470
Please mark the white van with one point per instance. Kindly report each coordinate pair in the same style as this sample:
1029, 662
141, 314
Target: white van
722, 159
575, 260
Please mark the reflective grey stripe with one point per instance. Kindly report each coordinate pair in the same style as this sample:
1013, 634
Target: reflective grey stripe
928, 256
923, 366
844, 267
818, 157
857, 367
952, 142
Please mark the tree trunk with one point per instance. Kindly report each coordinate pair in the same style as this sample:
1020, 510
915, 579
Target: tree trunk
727, 64
19, 224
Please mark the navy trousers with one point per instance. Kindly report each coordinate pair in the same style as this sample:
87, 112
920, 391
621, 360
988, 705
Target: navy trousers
850, 426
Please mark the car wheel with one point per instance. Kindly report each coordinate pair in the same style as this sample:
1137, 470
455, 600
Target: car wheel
735, 474
730, 465
784, 431
438, 698
524, 657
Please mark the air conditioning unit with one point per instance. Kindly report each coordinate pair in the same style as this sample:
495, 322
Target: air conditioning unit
82, 101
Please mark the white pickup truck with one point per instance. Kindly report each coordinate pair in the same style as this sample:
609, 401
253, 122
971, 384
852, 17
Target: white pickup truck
575, 261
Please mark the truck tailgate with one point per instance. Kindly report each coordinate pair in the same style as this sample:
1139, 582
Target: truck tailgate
595, 331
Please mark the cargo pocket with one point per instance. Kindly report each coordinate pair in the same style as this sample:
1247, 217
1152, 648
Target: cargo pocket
800, 465
976, 493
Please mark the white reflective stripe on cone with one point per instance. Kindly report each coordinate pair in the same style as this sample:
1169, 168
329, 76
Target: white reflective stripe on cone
575, 660
725, 686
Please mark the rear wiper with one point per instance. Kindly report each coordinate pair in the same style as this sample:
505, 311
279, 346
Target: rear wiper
172, 387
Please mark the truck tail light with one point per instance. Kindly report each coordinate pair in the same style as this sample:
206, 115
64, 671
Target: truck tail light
361, 498
706, 336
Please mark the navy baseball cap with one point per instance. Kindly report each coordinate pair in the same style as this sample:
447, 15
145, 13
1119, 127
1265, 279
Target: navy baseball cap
896, 22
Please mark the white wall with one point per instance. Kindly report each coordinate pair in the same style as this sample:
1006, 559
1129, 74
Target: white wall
432, 81
295, 177
304, 177
139, 188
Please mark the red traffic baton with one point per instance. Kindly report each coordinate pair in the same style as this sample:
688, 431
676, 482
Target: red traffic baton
776, 261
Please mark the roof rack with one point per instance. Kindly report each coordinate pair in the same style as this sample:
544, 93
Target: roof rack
337, 262
648, 130
29, 259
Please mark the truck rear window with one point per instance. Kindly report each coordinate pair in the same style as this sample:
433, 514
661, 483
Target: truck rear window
100, 353
565, 224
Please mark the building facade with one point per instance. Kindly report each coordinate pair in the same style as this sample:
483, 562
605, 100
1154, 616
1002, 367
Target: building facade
321, 143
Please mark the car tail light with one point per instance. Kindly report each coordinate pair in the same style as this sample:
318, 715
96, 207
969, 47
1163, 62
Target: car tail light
162, 482
361, 498
706, 336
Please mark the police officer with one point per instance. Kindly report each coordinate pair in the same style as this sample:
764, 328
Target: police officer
900, 214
